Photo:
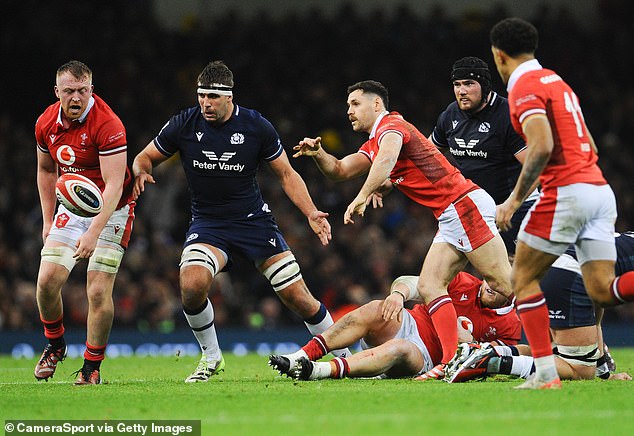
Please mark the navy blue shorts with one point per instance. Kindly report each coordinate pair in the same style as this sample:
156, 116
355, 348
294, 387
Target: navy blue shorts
510, 237
257, 237
568, 303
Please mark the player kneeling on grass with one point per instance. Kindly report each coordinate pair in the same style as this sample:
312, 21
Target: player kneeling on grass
575, 328
402, 343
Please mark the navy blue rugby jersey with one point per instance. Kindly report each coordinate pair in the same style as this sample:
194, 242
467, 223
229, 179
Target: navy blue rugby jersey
483, 145
221, 162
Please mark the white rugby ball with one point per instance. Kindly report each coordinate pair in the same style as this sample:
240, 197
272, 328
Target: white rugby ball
465, 323
79, 194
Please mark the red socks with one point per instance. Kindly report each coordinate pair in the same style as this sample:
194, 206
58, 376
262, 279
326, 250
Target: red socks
534, 316
443, 316
622, 288
53, 329
95, 353
316, 348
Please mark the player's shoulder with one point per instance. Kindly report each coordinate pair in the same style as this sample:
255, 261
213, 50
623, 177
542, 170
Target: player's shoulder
49, 116
250, 118
463, 281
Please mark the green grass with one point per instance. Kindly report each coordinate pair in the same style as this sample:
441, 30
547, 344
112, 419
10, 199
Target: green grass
250, 399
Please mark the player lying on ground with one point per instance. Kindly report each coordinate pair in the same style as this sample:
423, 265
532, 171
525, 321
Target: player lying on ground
402, 343
574, 328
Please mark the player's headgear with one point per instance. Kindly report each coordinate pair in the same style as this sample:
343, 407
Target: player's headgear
473, 68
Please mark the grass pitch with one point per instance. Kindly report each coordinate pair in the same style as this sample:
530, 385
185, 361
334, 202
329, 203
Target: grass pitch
249, 398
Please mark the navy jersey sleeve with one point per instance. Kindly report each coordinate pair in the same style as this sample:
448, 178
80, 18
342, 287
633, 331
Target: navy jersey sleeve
167, 140
513, 140
271, 142
439, 134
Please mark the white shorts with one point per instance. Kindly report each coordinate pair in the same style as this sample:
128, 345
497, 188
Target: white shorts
569, 214
469, 222
68, 227
409, 332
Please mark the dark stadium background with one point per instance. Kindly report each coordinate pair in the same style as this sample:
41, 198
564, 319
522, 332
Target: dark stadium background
292, 61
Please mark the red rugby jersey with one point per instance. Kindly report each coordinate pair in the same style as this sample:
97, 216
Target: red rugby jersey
488, 324
421, 171
536, 90
76, 149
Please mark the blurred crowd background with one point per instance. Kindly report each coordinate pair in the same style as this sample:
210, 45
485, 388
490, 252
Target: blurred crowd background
294, 68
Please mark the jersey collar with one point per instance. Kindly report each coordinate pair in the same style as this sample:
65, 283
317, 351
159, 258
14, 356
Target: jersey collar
83, 116
523, 68
376, 123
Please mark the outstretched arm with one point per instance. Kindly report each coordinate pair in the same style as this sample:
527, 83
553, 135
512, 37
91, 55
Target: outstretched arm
296, 190
389, 149
351, 166
142, 166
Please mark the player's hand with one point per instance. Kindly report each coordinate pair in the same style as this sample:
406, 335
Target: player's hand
376, 199
357, 206
139, 184
320, 226
86, 245
46, 229
308, 147
392, 307
503, 214
620, 376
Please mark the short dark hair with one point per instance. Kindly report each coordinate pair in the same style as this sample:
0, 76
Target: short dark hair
514, 36
373, 87
78, 69
216, 72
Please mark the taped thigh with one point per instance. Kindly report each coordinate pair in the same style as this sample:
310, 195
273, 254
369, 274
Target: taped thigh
106, 259
585, 355
60, 255
198, 254
283, 273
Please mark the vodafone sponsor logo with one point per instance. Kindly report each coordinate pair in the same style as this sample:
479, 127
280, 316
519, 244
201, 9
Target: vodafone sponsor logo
66, 155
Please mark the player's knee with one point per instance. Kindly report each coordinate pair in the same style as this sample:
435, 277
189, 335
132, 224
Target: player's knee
602, 296
283, 273
582, 359
372, 310
194, 286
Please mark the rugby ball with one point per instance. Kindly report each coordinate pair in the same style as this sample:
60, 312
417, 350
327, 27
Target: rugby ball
465, 323
79, 194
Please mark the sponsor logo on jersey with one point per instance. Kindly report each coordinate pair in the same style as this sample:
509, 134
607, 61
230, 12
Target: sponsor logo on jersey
556, 314
218, 163
549, 79
399, 180
237, 138
525, 99
454, 124
466, 148
199, 135
52, 138
83, 138
273, 242
66, 155
484, 127
464, 297
192, 237
266, 208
